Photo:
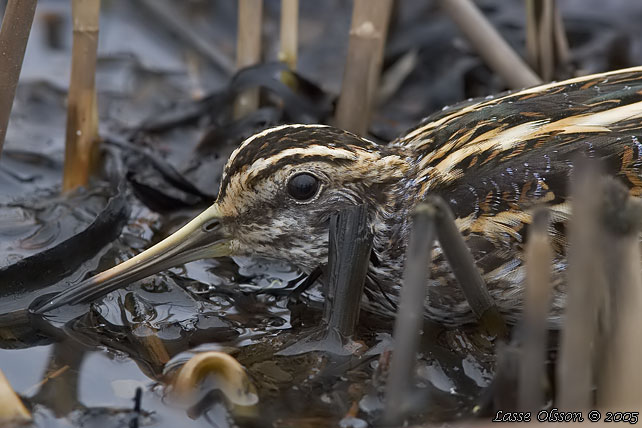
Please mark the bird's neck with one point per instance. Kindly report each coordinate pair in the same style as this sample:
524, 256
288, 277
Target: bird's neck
391, 225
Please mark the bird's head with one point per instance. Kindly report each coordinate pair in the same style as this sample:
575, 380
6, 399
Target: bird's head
278, 192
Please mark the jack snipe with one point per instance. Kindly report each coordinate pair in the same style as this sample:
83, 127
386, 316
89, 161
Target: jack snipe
491, 160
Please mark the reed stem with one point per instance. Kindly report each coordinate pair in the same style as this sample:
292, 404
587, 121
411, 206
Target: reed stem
586, 288
289, 32
14, 34
410, 316
619, 376
490, 45
363, 65
82, 140
539, 258
546, 45
465, 270
248, 51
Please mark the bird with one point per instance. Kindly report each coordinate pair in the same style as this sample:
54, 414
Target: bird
493, 160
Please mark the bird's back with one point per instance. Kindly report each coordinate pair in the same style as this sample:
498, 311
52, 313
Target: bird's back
494, 160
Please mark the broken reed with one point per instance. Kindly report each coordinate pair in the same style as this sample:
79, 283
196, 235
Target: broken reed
433, 220
14, 34
81, 149
289, 32
489, 44
368, 31
248, 51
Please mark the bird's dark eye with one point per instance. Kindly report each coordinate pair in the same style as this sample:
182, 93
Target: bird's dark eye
303, 186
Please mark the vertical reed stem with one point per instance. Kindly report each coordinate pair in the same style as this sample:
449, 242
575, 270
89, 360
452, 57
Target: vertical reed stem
248, 50
14, 34
619, 376
289, 32
546, 45
81, 151
539, 258
363, 66
410, 315
586, 288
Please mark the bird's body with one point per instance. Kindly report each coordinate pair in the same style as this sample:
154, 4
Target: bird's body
493, 161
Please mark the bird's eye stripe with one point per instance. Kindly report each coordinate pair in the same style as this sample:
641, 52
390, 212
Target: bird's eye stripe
269, 146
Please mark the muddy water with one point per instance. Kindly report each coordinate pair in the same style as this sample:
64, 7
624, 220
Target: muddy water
82, 365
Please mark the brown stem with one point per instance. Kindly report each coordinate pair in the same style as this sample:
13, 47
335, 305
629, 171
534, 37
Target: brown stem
539, 258
585, 289
410, 315
363, 65
14, 34
289, 32
489, 44
81, 150
248, 50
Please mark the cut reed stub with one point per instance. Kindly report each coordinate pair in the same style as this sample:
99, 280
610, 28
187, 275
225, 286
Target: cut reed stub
82, 140
368, 31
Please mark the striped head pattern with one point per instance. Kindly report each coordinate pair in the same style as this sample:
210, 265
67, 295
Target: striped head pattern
280, 187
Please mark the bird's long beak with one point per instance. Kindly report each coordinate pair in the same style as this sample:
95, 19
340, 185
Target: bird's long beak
198, 239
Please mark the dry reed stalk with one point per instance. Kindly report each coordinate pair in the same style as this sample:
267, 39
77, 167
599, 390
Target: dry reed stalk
586, 288
16, 25
248, 50
619, 376
546, 45
368, 31
489, 44
539, 258
562, 49
289, 32
81, 150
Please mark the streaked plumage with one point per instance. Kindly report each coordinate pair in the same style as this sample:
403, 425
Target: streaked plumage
492, 160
